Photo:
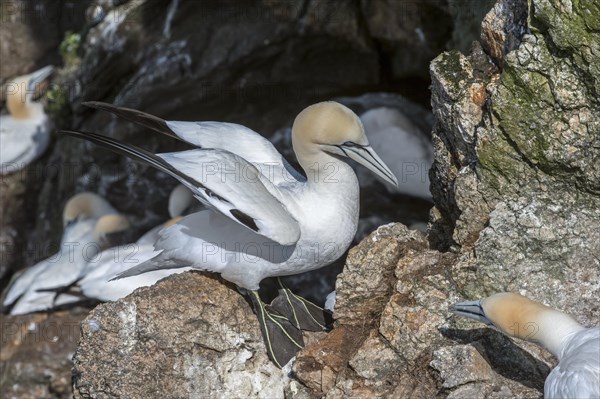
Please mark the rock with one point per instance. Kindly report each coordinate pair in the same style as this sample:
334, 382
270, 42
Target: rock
364, 286
356, 358
375, 360
516, 176
503, 28
195, 333
402, 342
35, 354
31, 32
459, 365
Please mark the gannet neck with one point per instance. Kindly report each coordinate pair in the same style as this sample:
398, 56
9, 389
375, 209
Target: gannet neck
18, 101
555, 329
523, 318
323, 169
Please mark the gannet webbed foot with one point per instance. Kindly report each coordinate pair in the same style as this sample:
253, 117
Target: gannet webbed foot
281, 338
302, 313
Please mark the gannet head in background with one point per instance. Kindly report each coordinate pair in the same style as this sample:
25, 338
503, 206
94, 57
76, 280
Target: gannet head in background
180, 199
86, 206
331, 128
20, 92
521, 317
110, 224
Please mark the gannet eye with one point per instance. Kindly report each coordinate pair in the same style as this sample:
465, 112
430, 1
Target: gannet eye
351, 144
72, 221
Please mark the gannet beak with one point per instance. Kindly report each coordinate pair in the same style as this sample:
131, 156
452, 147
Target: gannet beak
472, 310
39, 76
366, 156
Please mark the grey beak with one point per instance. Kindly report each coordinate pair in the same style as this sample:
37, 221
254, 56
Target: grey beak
39, 76
472, 310
366, 156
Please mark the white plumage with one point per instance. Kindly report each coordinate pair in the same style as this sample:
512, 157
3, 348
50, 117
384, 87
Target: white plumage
25, 131
577, 374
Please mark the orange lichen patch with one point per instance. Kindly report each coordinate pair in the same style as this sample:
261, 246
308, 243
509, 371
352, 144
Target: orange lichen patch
478, 94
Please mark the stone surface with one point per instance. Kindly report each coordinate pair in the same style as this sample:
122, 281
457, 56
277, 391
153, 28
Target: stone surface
35, 354
188, 336
459, 365
32, 30
516, 171
405, 343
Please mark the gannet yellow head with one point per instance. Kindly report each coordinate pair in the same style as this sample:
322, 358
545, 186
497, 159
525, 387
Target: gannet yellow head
521, 317
333, 128
86, 206
110, 224
20, 91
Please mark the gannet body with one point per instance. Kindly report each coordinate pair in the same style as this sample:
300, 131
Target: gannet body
25, 131
87, 220
265, 219
97, 284
403, 147
577, 348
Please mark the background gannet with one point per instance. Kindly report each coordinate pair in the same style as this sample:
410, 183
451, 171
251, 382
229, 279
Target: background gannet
25, 131
265, 218
404, 148
88, 219
96, 283
577, 348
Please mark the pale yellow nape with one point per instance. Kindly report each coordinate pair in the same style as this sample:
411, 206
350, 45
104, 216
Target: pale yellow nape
326, 123
514, 314
173, 221
111, 224
17, 101
86, 205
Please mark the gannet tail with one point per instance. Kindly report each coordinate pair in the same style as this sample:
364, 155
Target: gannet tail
151, 265
137, 154
138, 117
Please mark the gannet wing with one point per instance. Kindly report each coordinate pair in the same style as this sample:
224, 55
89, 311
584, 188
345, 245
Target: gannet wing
21, 282
577, 374
572, 383
237, 139
223, 181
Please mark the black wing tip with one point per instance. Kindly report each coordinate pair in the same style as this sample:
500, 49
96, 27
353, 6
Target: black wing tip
245, 219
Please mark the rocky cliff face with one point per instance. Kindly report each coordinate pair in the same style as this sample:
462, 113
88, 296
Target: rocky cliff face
515, 182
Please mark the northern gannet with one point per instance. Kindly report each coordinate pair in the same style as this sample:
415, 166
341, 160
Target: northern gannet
265, 218
577, 348
25, 131
88, 219
97, 283
404, 148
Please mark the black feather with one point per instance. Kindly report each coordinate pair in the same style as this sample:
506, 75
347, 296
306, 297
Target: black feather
133, 115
